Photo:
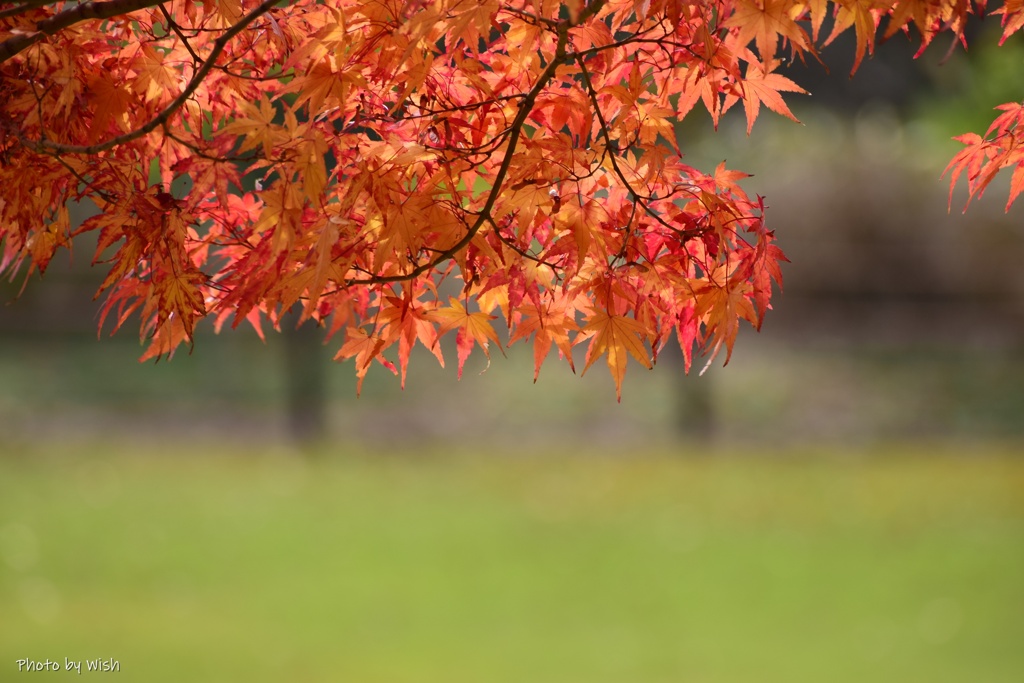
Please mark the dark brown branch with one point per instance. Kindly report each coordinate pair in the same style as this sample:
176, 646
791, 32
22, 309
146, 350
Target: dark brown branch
200, 152
161, 118
69, 17
177, 31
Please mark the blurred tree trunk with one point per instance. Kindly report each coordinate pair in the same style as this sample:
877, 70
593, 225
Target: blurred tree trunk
305, 380
694, 414
695, 408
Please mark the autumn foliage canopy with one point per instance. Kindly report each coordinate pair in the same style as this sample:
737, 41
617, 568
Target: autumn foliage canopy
401, 170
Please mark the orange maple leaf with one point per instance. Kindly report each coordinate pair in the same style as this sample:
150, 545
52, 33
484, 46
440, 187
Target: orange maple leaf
760, 85
550, 324
167, 336
473, 329
726, 179
112, 101
619, 337
862, 16
155, 76
764, 21
366, 348
409, 320
258, 127
722, 308
1013, 18
178, 294
969, 159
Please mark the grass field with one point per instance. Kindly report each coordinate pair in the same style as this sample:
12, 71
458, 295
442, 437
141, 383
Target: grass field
471, 568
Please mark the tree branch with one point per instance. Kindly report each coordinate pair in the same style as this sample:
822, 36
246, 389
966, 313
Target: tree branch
161, 118
62, 20
26, 6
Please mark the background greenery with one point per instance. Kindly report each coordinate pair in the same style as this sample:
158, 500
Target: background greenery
896, 564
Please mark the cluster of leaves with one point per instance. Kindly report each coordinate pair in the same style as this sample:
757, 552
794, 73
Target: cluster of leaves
983, 157
403, 169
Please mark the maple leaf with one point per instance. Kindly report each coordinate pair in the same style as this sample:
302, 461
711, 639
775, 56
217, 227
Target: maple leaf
179, 293
321, 255
1013, 18
311, 165
530, 198
927, 16
42, 246
258, 127
281, 215
760, 266
983, 159
321, 83
410, 321
618, 337
112, 101
473, 329
550, 324
468, 24
818, 10
765, 21
970, 160
166, 338
760, 85
366, 348
44, 242
726, 179
687, 328
721, 307
862, 16
584, 223
155, 77
402, 230
766, 270
229, 11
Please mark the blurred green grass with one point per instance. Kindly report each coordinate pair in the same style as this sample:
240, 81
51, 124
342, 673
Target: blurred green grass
212, 564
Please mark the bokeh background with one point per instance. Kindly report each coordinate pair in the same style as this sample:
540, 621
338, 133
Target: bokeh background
843, 501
